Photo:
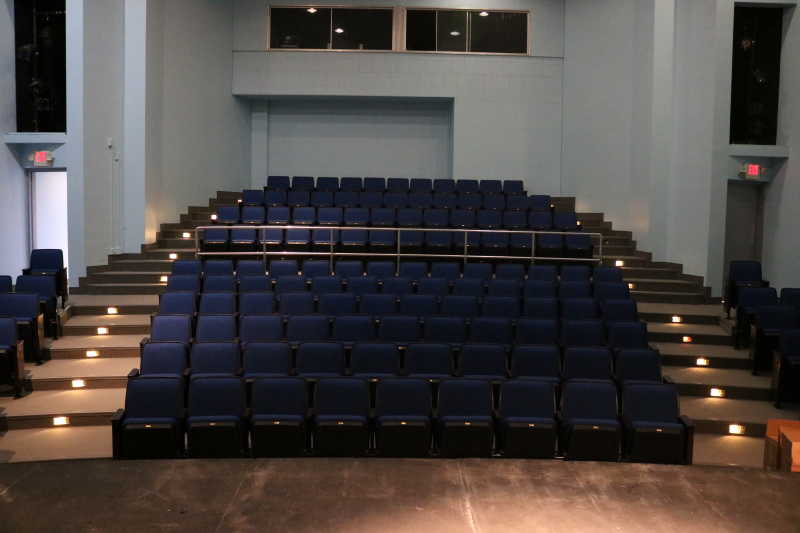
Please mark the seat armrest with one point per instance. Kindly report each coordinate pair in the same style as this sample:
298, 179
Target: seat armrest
688, 451
134, 373
116, 437
668, 380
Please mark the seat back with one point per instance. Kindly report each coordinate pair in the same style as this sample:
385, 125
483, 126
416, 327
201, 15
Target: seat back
428, 360
333, 304
501, 306
154, 398
620, 311
627, 335
256, 303
587, 363
215, 358
284, 267
447, 270
342, 397
503, 287
313, 268
254, 328
270, 358
485, 360
374, 360
327, 183
445, 329
536, 361
534, 288
479, 271
215, 328
381, 269
607, 274
42, 286
464, 397
611, 291
579, 309
434, 286
161, 358
260, 283
216, 396
378, 305
320, 358
307, 328
361, 285
354, 328
745, 271
219, 283
510, 271
527, 399
580, 273
46, 260
187, 267
218, 304
536, 331
582, 333
183, 283
460, 306
170, 329
349, 269
283, 396
589, 399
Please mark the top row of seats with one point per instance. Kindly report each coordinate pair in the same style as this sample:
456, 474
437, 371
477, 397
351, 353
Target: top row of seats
333, 184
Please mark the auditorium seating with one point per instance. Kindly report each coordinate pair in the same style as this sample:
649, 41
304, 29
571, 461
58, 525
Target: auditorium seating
11, 355
742, 275
392, 358
50, 262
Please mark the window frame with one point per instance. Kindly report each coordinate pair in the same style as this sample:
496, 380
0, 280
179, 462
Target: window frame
399, 29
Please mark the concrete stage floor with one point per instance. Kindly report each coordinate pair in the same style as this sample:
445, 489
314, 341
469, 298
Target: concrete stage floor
394, 495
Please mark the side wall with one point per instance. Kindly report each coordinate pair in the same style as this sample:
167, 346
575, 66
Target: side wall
781, 253
13, 184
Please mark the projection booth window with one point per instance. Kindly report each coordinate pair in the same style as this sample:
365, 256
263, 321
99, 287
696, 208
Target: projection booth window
439, 30
317, 28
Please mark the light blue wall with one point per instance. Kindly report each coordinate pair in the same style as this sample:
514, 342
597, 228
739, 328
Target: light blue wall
13, 185
506, 110
359, 137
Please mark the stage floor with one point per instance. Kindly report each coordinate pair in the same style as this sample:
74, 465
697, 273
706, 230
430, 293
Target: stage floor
376, 495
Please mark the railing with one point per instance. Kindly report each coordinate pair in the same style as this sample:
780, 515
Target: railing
398, 253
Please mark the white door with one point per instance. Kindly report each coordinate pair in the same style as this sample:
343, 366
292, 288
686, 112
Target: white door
49, 211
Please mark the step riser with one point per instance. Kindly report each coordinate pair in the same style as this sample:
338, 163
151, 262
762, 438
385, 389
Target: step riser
646, 273
666, 298
112, 330
716, 340
66, 383
119, 289
175, 243
126, 278
657, 318
666, 286
86, 310
732, 393
46, 421
143, 266
80, 353
714, 362
720, 427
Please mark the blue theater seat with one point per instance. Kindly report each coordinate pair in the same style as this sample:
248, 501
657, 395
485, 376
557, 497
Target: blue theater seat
171, 329
518, 202
326, 285
444, 200
381, 270
253, 215
445, 330
620, 311
395, 200
419, 304
224, 283
274, 198
218, 267
382, 240
283, 267
421, 184
253, 197
534, 331
260, 328
278, 420
611, 291
162, 360
330, 216
266, 359
307, 328
278, 183
347, 269
590, 426
444, 186
627, 335
574, 289
420, 200
215, 422
354, 328
533, 288
187, 267
321, 199
177, 303
513, 187
327, 184
587, 363
296, 303
429, 361
450, 271
151, 425
397, 286
637, 365
228, 214
491, 186
579, 273
480, 271
296, 198
655, 431
579, 309
215, 239
582, 333
543, 273
414, 270
254, 284
527, 426
256, 303
483, 361
290, 283
536, 362
351, 184
541, 308
350, 200
403, 418
742, 275
371, 200
320, 359
504, 287
433, 286
44, 288
491, 330
303, 183
215, 328
607, 274
223, 303
335, 304
468, 186
399, 329
540, 202
501, 306
374, 360
465, 418
215, 359
361, 285
341, 422
249, 267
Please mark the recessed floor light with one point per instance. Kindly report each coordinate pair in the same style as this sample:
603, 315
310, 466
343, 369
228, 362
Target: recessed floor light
686, 339
619, 263
78, 383
214, 216
186, 235
60, 420
736, 429
173, 256
701, 361
92, 353
164, 279
102, 331
112, 311
716, 392
677, 319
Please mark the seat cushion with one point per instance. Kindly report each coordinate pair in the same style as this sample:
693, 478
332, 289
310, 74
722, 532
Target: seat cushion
591, 422
137, 421
641, 424
278, 417
206, 419
341, 418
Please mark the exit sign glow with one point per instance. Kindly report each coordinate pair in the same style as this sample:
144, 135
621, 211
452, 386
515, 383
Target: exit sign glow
42, 158
753, 171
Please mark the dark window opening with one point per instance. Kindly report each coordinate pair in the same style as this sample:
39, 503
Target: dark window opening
317, 28
41, 65
440, 30
300, 28
491, 31
757, 35
362, 29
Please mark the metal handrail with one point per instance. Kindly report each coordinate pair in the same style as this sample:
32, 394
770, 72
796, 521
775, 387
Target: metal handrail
465, 255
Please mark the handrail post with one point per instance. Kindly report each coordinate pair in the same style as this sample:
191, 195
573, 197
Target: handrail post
465, 246
330, 257
196, 244
533, 247
397, 260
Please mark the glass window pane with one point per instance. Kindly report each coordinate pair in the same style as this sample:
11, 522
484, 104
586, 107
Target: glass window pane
362, 29
299, 27
421, 30
452, 34
492, 31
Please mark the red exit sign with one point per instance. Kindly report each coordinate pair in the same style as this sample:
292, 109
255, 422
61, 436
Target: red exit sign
43, 158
